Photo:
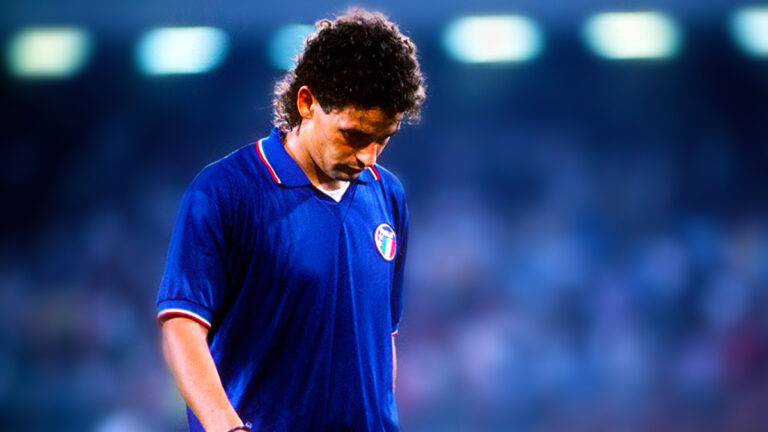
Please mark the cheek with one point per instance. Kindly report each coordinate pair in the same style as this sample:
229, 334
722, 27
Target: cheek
340, 151
324, 146
332, 153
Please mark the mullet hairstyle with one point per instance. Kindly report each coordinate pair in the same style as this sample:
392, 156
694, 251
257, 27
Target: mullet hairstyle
360, 59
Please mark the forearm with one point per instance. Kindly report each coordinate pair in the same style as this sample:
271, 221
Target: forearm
189, 359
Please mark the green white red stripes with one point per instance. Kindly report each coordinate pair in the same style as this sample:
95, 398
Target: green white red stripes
374, 172
385, 239
263, 156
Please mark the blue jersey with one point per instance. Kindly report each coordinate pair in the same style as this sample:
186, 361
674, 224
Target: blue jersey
301, 293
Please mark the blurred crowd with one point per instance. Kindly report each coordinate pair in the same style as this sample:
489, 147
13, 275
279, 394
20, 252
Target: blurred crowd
551, 316
577, 262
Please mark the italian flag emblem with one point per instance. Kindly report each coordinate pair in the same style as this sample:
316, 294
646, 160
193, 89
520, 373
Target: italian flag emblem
386, 242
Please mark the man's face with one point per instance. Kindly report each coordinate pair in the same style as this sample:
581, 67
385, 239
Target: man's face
345, 142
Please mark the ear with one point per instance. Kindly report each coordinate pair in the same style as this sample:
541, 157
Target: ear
306, 103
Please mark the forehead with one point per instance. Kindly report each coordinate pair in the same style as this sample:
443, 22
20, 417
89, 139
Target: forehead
366, 119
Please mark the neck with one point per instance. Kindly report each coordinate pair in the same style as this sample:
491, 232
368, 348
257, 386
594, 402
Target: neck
297, 149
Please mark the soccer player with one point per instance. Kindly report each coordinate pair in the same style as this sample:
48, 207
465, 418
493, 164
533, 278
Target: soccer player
282, 290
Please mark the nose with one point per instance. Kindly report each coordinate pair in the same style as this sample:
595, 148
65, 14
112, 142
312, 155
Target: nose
367, 155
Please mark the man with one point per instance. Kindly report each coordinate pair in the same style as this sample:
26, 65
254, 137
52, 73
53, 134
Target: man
283, 284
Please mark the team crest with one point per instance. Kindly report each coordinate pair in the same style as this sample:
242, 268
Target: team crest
386, 242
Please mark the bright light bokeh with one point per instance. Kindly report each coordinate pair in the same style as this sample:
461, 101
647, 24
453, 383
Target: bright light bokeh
182, 50
749, 27
493, 39
48, 52
632, 35
286, 44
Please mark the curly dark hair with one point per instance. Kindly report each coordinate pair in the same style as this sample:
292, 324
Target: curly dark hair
360, 59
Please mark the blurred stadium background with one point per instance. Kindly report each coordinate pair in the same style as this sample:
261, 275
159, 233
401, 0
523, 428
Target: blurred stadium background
589, 244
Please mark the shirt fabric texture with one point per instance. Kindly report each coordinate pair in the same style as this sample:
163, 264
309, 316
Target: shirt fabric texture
301, 293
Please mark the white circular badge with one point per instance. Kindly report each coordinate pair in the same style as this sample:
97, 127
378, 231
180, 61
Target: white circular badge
386, 241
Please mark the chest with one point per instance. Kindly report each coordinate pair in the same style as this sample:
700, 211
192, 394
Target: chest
307, 240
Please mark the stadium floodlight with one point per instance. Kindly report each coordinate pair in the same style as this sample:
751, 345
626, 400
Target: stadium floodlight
287, 43
48, 52
181, 50
493, 39
632, 35
749, 27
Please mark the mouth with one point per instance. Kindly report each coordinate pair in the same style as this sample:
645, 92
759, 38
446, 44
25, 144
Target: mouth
352, 172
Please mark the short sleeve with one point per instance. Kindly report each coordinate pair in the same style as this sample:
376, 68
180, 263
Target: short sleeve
396, 299
194, 277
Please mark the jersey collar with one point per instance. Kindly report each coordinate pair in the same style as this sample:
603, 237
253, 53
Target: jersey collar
284, 170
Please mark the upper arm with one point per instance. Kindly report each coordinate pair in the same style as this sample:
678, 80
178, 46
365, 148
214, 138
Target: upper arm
181, 334
185, 328
195, 275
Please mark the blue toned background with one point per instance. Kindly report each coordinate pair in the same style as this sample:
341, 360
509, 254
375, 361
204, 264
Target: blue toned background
589, 245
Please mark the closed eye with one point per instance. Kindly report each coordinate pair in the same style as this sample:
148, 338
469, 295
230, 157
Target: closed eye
358, 137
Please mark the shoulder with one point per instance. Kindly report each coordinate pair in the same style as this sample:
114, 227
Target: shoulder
228, 174
395, 195
230, 186
392, 186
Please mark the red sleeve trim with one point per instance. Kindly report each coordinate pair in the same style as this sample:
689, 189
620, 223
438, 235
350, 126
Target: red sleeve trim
167, 313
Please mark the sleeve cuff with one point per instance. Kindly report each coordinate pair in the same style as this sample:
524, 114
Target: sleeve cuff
171, 308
